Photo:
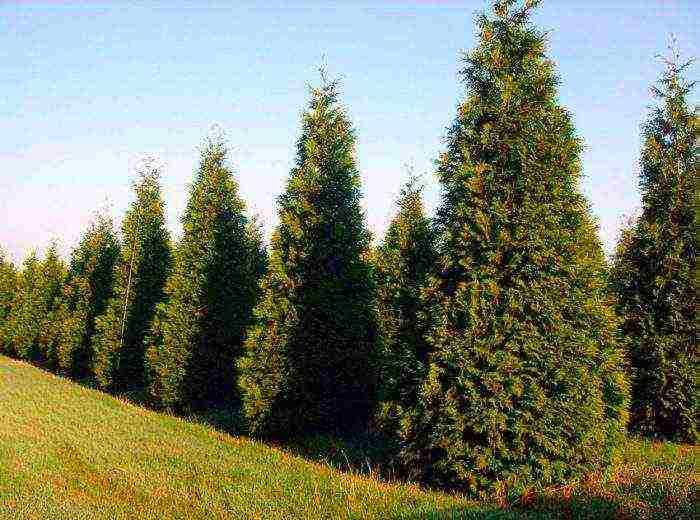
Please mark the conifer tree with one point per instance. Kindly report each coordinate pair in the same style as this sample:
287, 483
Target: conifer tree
654, 271
139, 278
86, 295
53, 277
64, 354
307, 362
524, 381
198, 333
32, 322
402, 263
8, 292
23, 320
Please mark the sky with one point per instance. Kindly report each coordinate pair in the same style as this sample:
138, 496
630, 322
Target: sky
88, 88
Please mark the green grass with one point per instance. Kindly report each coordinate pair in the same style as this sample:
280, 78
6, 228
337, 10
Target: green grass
67, 451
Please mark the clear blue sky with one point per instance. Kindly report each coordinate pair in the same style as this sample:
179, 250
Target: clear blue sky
86, 87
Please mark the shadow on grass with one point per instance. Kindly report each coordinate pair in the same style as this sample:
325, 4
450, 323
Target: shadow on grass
638, 488
566, 509
633, 490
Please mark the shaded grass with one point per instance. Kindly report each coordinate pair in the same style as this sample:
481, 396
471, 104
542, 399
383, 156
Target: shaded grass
67, 451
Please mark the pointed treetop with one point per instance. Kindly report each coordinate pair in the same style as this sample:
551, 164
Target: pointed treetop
214, 146
509, 10
327, 93
53, 248
670, 137
510, 52
148, 169
672, 83
103, 213
323, 69
413, 184
411, 190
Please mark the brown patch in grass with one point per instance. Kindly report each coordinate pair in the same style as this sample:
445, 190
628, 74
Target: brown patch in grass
99, 484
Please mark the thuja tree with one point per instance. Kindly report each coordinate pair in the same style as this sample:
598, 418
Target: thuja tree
139, 278
655, 266
22, 326
198, 334
307, 362
90, 285
523, 381
8, 291
53, 276
402, 263
32, 323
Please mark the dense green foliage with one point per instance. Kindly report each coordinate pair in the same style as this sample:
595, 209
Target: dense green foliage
139, 278
402, 263
524, 381
85, 297
52, 277
8, 290
32, 323
307, 362
655, 270
478, 351
21, 321
198, 334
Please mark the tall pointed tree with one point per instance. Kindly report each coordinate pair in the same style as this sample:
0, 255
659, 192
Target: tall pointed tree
654, 272
32, 323
139, 278
199, 332
307, 362
89, 288
23, 321
8, 295
524, 381
53, 276
402, 264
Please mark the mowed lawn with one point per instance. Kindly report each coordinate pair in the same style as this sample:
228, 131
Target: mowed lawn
71, 452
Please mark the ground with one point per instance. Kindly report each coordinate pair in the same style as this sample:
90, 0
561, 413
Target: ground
67, 451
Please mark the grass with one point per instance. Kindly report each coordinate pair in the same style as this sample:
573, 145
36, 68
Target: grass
67, 451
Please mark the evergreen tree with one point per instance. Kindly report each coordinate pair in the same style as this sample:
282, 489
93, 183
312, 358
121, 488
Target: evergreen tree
403, 261
259, 259
23, 320
307, 361
654, 271
32, 321
53, 277
86, 295
524, 379
64, 353
8, 291
198, 333
139, 278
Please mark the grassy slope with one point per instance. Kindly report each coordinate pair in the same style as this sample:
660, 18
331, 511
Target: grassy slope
70, 452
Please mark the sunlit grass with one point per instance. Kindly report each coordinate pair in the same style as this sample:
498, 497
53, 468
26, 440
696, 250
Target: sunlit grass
70, 452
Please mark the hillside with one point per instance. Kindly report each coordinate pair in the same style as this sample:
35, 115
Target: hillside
71, 452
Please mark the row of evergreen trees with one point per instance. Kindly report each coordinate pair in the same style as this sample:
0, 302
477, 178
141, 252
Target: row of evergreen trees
484, 344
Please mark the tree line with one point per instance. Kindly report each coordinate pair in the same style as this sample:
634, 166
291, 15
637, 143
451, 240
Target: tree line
492, 345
